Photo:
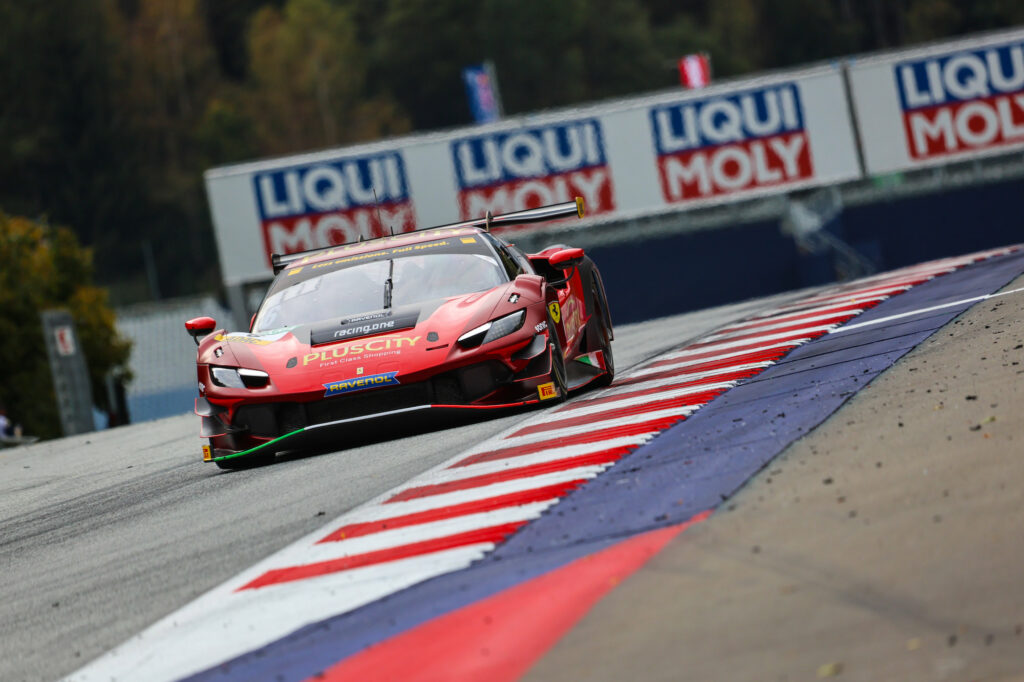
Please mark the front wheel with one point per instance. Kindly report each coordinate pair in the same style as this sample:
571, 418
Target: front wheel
558, 374
601, 333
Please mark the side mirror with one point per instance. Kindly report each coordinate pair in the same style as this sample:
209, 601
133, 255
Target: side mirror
566, 259
200, 326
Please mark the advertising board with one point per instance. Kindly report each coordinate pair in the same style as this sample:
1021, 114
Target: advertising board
946, 103
512, 170
730, 143
625, 157
309, 206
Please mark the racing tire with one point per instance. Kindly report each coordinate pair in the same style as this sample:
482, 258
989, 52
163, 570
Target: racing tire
558, 374
601, 333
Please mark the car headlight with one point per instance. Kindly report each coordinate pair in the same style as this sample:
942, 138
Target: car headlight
493, 330
229, 377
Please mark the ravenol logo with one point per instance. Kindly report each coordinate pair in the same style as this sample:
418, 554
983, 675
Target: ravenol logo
963, 101
360, 384
731, 143
519, 169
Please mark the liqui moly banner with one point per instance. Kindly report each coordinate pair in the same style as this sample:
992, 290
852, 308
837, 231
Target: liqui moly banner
922, 108
731, 143
332, 202
524, 168
626, 158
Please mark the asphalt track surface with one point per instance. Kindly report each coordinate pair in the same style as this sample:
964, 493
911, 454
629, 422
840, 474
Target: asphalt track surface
103, 534
118, 548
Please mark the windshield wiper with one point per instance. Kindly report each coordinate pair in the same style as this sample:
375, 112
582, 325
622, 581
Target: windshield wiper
388, 284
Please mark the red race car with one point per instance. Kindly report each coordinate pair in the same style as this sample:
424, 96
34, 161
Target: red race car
445, 318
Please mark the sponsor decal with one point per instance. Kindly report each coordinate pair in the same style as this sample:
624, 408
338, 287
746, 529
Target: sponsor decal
332, 202
295, 271
378, 255
366, 325
514, 170
556, 312
547, 391
207, 453
353, 351
364, 329
368, 316
731, 143
262, 339
513, 298
360, 383
244, 338
469, 240
540, 327
962, 102
65, 337
202, 388
397, 241
432, 336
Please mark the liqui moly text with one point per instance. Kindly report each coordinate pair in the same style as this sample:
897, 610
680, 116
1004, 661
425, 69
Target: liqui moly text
333, 202
962, 102
731, 143
514, 170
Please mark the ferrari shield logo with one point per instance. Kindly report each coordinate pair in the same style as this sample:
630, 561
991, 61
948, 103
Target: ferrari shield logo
556, 311
207, 453
547, 391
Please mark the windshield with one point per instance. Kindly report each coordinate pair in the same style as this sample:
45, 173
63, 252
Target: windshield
362, 287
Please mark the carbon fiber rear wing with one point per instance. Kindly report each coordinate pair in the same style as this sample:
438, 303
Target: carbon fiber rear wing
530, 215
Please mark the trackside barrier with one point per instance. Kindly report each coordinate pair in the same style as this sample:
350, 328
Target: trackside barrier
944, 103
627, 157
630, 157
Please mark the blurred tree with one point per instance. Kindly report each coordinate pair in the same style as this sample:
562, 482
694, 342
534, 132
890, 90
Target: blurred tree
555, 54
227, 22
308, 73
738, 45
66, 145
985, 15
537, 51
927, 20
43, 267
169, 76
225, 134
618, 54
420, 51
794, 32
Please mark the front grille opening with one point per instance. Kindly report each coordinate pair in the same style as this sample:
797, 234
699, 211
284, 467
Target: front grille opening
478, 380
458, 387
